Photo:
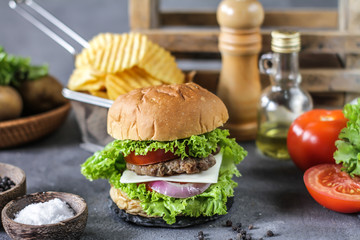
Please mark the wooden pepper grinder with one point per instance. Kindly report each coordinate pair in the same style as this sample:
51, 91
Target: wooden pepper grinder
240, 43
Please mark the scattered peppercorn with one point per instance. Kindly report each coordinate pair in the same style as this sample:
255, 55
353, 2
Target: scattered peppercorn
201, 235
234, 228
242, 232
251, 227
239, 236
228, 223
239, 225
269, 233
6, 183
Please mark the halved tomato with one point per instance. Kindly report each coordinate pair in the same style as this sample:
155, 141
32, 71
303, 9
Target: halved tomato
332, 188
150, 158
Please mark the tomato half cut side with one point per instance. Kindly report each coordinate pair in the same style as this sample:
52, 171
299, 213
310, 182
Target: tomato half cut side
150, 158
332, 188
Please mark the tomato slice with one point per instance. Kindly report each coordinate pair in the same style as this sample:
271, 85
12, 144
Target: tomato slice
332, 188
150, 158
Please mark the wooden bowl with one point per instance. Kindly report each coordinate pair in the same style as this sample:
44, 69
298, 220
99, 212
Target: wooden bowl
71, 228
27, 129
17, 175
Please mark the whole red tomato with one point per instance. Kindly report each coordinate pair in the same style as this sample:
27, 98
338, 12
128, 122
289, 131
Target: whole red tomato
311, 137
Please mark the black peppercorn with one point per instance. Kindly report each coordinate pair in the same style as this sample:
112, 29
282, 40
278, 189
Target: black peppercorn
200, 235
269, 233
6, 183
228, 223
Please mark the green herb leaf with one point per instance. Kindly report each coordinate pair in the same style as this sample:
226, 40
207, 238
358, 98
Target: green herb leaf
348, 147
15, 70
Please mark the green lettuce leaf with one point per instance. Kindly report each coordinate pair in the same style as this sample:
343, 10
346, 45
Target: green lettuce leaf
15, 70
109, 164
348, 145
196, 146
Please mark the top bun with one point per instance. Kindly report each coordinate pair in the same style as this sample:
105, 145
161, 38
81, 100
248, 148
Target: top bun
165, 113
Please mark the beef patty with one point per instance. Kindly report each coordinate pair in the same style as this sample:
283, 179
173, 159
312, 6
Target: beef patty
176, 166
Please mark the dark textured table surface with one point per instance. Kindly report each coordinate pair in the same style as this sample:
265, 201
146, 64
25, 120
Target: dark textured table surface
270, 195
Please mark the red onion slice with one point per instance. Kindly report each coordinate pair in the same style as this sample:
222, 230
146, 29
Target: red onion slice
178, 190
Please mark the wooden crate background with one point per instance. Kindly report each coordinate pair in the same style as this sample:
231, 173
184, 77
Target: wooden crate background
329, 59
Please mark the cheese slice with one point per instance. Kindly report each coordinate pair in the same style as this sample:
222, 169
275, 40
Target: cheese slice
209, 176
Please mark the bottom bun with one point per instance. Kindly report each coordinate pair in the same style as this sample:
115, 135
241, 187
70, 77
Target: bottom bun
181, 221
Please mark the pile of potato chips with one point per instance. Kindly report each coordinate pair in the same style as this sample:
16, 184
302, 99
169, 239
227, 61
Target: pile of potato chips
115, 64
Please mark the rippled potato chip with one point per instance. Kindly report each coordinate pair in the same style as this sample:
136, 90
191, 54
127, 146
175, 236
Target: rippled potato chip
86, 79
161, 65
102, 94
128, 80
115, 64
115, 86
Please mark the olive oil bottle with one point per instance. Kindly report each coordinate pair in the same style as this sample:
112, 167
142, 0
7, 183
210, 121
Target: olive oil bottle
271, 140
284, 100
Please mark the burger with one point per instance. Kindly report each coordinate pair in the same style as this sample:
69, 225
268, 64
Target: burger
171, 163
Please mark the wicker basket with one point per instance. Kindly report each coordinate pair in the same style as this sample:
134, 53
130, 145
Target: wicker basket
28, 129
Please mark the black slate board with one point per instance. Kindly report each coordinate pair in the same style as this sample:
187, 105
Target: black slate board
181, 221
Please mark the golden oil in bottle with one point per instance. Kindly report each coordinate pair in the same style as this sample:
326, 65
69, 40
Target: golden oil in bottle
284, 99
271, 140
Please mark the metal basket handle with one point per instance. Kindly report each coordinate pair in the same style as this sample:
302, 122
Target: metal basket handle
27, 8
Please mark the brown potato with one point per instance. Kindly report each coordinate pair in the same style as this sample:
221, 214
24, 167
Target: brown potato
10, 103
41, 95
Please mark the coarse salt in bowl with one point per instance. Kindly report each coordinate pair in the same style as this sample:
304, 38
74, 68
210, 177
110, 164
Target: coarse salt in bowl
69, 211
50, 212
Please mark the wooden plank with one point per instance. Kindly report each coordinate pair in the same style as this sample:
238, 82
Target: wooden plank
313, 80
188, 18
354, 16
352, 60
351, 96
334, 98
350, 16
290, 18
302, 18
207, 41
328, 100
306, 60
343, 6
327, 80
143, 14
185, 40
